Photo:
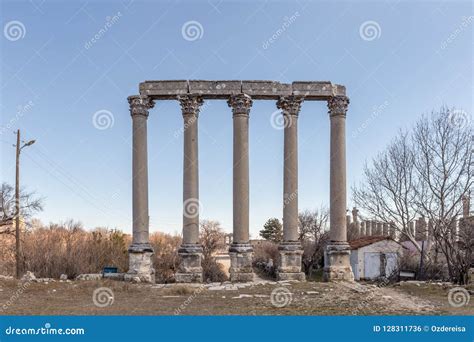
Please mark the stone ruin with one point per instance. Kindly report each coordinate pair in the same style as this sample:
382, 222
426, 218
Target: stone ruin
240, 95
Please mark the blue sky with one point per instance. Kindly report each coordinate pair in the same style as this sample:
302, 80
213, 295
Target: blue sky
398, 59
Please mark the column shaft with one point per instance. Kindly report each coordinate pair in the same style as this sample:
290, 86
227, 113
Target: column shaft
191, 204
139, 110
337, 262
140, 251
241, 251
290, 176
338, 179
241, 107
190, 269
290, 248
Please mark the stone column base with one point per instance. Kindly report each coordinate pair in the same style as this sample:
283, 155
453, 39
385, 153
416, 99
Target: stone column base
190, 270
241, 262
291, 254
337, 265
140, 263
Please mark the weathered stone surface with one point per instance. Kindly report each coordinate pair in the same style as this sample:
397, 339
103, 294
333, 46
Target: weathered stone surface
313, 90
289, 268
337, 263
164, 89
114, 276
266, 89
28, 276
190, 270
188, 274
169, 89
241, 266
141, 266
89, 276
216, 288
338, 90
215, 88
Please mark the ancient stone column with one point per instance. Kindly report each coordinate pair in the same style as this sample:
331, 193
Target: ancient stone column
355, 219
466, 205
392, 231
385, 229
190, 251
411, 226
290, 248
362, 228
140, 251
337, 262
241, 251
368, 228
379, 228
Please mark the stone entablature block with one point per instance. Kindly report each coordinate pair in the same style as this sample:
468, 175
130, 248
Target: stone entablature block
215, 89
264, 90
164, 89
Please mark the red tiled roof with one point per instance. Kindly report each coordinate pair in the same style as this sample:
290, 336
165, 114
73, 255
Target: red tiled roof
367, 240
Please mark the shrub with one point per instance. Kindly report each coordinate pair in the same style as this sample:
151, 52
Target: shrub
266, 258
212, 271
166, 258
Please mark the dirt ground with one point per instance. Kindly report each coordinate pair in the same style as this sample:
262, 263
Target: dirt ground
309, 298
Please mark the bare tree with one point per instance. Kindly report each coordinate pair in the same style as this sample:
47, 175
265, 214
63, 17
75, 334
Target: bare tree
389, 188
312, 223
313, 230
443, 160
29, 205
212, 237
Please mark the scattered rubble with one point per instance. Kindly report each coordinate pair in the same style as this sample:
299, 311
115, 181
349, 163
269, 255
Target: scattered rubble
89, 276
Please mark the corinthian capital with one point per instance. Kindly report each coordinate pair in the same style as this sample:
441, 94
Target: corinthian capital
240, 104
139, 105
290, 105
338, 105
190, 104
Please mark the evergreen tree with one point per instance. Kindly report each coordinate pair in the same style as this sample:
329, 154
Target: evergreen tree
272, 230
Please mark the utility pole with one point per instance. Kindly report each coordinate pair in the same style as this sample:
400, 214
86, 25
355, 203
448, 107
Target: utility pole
17, 208
18, 256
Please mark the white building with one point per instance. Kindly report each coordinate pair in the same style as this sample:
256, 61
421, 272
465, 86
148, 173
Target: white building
374, 256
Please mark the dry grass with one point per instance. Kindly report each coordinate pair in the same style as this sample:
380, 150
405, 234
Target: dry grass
69, 249
310, 298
